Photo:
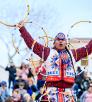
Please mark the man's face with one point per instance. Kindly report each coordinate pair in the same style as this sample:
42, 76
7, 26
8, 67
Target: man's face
60, 44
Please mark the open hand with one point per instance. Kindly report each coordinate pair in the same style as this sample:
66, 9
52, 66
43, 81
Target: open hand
21, 24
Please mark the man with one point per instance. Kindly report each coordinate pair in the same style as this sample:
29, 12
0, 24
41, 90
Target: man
59, 60
12, 74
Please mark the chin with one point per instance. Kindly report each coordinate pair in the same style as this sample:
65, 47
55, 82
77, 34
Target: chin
61, 48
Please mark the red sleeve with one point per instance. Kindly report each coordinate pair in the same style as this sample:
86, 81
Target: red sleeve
36, 69
82, 52
38, 48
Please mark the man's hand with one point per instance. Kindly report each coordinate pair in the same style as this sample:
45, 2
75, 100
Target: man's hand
21, 23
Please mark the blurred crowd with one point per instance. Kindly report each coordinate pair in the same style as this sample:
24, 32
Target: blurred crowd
82, 87
28, 85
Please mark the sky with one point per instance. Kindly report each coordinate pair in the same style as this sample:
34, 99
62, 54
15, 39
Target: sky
53, 15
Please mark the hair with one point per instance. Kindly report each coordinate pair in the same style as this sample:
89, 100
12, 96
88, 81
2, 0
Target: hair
71, 59
9, 99
90, 83
30, 74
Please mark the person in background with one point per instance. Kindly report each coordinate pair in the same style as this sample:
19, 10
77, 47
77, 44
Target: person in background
12, 74
3, 91
77, 90
20, 94
23, 72
87, 95
41, 74
81, 82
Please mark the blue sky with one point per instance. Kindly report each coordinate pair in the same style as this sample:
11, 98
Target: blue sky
54, 15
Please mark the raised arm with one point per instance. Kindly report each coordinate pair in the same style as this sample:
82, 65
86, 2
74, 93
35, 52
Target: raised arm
38, 49
83, 51
7, 68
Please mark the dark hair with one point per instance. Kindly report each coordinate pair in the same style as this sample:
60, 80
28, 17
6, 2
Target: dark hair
30, 74
3, 83
71, 59
9, 99
79, 69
